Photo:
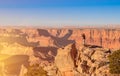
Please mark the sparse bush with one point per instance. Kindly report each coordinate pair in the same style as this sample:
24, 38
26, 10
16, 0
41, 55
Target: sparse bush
114, 59
36, 70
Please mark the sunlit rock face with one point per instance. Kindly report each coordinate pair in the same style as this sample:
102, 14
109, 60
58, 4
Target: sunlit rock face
65, 60
90, 60
42, 46
108, 38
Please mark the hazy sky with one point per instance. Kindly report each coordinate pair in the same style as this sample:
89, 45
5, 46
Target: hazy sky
59, 12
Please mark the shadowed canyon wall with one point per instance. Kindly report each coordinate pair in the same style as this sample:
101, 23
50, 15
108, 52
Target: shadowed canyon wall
108, 38
41, 45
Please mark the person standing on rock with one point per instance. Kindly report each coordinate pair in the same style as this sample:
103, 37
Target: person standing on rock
83, 38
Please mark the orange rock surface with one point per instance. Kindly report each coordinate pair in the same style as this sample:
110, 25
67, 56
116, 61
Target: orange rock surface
41, 45
108, 38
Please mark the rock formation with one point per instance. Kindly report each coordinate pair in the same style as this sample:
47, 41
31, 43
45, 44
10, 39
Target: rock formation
85, 61
66, 60
50, 45
108, 38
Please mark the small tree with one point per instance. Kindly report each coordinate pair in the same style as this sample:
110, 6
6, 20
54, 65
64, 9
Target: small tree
36, 70
114, 59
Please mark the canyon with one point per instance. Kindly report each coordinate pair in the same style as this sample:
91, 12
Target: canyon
108, 38
48, 46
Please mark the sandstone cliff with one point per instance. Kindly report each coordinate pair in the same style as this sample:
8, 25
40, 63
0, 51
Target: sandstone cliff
42, 45
85, 61
108, 38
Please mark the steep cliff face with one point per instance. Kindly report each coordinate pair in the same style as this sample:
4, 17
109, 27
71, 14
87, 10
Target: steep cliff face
108, 38
45, 42
41, 45
85, 61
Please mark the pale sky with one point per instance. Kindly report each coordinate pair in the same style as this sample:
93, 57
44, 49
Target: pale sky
59, 12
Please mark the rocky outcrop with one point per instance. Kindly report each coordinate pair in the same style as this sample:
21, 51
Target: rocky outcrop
41, 45
67, 57
108, 38
85, 61
93, 61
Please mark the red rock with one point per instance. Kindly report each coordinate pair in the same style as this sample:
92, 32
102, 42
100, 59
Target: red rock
108, 38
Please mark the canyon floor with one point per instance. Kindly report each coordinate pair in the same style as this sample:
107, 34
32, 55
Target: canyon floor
60, 52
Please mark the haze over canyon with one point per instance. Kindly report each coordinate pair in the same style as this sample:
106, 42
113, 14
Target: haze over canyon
28, 46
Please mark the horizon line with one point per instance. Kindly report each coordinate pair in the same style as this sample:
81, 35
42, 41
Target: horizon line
63, 26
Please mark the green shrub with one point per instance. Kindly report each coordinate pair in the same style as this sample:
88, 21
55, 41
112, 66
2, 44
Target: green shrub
36, 70
114, 59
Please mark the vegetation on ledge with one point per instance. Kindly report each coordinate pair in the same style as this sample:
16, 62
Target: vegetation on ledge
36, 70
114, 59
